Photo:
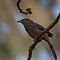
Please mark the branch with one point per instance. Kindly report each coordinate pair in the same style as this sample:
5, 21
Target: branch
50, 26
52, 49
32, 47
38, 39
28, 10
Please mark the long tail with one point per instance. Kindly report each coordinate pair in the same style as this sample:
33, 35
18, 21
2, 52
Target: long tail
51, 47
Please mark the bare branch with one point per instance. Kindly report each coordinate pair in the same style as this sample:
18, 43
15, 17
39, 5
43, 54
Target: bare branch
31, 49
52, 49
28, 10
50, 26
38, 39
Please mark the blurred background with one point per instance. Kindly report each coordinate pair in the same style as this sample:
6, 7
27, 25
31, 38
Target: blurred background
15, 42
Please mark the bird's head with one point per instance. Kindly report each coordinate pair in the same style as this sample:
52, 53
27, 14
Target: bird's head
25, 20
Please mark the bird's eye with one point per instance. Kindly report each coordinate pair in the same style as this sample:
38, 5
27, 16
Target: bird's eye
28, 20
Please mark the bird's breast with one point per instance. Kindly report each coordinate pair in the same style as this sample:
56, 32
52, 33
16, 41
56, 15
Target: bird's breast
32, 31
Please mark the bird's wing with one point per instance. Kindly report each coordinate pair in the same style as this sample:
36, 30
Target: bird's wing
39, 27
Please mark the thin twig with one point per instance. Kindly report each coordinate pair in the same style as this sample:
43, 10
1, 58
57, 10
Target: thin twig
38, 39
28, 10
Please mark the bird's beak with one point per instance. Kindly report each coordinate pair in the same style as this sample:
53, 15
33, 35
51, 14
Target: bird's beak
19, 21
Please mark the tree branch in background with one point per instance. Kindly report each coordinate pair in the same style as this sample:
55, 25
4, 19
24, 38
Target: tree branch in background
28, 10
38, 39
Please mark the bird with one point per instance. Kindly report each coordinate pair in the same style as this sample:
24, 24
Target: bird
34, 30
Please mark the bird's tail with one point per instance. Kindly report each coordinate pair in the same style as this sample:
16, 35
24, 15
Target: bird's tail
50, 34
51, 47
